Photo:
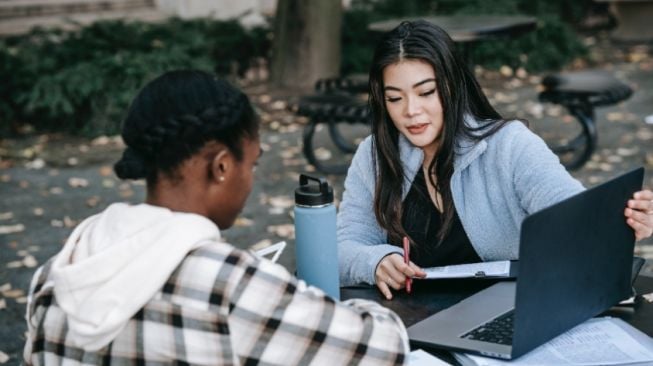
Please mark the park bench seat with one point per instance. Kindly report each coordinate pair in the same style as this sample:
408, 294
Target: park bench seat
580, 92
337, 101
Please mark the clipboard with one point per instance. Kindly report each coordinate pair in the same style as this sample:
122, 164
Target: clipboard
482, 270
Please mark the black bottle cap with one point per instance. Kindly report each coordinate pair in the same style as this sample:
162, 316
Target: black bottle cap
313, 194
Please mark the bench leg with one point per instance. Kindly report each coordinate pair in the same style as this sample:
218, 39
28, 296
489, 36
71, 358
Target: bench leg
342, 144
309, 153
582, 146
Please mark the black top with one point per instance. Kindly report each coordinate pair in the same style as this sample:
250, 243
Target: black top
421, 221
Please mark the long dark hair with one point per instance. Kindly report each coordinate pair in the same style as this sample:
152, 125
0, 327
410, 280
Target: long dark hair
460, 95
175, 115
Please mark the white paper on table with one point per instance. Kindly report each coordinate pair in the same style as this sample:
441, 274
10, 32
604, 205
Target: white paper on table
598, 341
482, 269
421, 358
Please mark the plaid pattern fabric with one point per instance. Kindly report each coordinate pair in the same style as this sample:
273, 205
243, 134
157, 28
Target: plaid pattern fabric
223, 306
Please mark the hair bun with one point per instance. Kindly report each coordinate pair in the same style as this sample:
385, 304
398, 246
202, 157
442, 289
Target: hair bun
131, 165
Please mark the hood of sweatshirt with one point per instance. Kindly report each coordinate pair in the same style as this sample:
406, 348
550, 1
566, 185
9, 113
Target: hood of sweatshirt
116, 261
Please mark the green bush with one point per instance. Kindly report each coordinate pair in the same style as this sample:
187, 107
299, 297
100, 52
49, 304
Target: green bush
82, 82
551, 46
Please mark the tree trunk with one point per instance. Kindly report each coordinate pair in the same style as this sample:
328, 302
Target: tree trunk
306, 43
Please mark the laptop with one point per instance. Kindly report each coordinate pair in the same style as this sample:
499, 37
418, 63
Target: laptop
575, 262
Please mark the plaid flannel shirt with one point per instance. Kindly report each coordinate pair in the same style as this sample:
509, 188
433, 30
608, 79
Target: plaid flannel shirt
223, 306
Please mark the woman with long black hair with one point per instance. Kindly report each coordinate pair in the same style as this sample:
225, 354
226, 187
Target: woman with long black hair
443, 169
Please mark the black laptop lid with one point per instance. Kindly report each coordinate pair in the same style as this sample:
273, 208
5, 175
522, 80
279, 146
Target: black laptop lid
575, 261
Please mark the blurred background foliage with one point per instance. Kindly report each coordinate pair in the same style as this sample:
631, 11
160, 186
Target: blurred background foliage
82, 81
554, 44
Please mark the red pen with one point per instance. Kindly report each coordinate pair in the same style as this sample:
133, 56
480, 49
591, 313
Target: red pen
407, 261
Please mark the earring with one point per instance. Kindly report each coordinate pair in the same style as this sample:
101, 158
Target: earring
221, 179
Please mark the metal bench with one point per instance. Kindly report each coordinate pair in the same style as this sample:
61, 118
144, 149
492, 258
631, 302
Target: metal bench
580, 92
336, 102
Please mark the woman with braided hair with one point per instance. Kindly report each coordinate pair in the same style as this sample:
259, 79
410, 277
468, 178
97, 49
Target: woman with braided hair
154, 282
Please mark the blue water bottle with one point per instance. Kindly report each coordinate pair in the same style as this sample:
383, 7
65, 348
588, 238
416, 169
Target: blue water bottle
315, 235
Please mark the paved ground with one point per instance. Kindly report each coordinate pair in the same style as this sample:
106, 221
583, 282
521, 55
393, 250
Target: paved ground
49, 183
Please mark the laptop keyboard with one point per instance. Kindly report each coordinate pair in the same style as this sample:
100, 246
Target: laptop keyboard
498, 330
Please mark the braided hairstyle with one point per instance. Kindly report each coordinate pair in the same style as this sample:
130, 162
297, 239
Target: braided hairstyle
175, 115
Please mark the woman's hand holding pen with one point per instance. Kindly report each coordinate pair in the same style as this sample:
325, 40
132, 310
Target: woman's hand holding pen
392, 272
639, 214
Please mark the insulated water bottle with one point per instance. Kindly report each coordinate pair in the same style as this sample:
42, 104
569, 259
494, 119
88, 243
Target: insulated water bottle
315, 235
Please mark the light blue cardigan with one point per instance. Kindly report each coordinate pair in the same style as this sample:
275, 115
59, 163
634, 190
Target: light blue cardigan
496, 183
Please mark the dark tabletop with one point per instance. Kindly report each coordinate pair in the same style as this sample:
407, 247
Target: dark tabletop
430, 296
467, 28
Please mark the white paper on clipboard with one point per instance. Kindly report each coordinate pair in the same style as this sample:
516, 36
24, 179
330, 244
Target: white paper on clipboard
271, 252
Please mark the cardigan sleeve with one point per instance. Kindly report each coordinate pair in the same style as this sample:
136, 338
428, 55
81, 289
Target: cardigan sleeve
362, 243
539, 178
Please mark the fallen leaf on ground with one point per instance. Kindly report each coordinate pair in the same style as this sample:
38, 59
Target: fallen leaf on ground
68, 222
614, 116
6, 215
93, 201
30, 262
281, 201
106, 171
261, 244
12, 294
284, 230
56, 190
56, 223
14, 264
627, 152
322, 154
3, 357
38, 211
278, 105
77, 182
276, 210
649, 159
243, 222
35, 164
5, 178
5, 287
108, 183
100, 141
72, 161
10, 229
21, 300
3, 304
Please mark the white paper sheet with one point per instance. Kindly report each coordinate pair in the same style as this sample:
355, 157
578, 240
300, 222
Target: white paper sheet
599, 341
421, 358
482, 269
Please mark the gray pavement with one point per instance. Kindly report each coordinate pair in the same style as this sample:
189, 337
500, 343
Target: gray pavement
50, 183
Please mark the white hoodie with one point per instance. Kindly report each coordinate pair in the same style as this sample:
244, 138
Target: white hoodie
115, 262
